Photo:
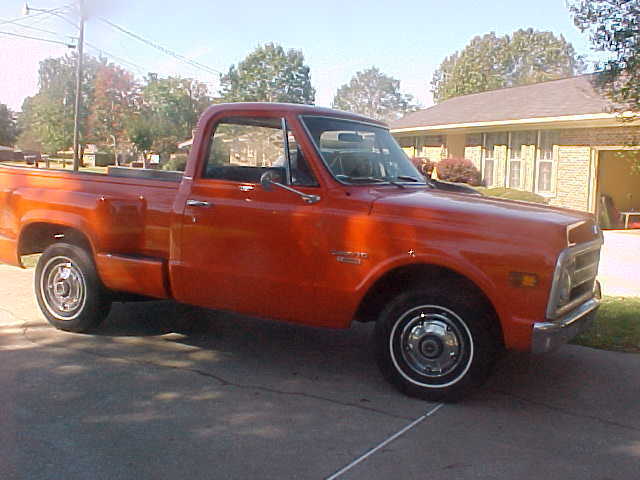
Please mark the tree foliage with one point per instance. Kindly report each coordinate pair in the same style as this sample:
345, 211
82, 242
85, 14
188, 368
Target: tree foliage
614, 26
155, 114
269, 74
115, 99
491, 62
49, 115
374, 94
8, 126
172, 107
143, 133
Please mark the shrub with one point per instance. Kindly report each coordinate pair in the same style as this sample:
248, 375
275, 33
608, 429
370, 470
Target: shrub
458, 170
424, 165
176, 163
102, 159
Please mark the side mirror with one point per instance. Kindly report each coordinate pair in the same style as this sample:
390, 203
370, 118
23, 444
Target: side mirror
273, 175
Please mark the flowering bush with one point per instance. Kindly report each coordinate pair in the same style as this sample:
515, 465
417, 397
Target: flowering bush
458, 170
424, 165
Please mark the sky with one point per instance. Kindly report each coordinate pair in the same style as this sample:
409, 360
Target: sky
406, 39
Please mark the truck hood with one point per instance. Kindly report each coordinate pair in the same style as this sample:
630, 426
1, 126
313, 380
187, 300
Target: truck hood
499, 216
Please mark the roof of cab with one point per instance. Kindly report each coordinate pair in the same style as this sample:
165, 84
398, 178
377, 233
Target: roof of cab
292, 108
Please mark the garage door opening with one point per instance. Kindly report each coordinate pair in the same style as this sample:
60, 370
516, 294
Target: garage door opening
619, 189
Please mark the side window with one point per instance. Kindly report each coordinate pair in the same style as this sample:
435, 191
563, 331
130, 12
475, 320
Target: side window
301, 174
242, 149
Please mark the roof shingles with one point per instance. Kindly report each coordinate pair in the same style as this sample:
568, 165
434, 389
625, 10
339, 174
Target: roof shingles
556, 98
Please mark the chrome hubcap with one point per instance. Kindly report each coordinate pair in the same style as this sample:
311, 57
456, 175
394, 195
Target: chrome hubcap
63, 287
431, 342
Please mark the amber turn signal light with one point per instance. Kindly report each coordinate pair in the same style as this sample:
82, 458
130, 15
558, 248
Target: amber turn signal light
522, 279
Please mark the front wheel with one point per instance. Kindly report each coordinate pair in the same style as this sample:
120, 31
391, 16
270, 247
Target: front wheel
435, 343
68, 289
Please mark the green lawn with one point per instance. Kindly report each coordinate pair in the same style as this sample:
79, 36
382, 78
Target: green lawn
57, 165
511, 194
617, 326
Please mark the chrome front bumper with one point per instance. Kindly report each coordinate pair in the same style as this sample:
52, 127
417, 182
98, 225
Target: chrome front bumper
547, 336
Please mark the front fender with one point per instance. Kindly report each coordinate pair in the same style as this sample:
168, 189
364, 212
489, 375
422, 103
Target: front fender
457, 264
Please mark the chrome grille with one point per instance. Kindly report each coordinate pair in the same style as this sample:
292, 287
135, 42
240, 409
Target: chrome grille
585, 272
581, 264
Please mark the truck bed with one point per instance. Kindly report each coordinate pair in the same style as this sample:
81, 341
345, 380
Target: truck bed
126, 212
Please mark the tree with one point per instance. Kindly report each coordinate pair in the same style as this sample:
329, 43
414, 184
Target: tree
50, 112
490, 62
142, 134
172, 107
614, 26
8, 127
115, 99
374, 94
269, 74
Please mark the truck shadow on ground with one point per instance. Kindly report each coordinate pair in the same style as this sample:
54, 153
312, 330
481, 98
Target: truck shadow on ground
245, 351
297, 397
573, 377
239, 350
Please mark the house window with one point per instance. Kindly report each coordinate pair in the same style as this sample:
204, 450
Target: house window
407, 142
433, 141
491, 140
548, 138
518, 141
473, 140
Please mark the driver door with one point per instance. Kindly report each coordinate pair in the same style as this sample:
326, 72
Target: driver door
244, 248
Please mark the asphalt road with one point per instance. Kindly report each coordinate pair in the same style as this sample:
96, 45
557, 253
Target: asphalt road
163, 391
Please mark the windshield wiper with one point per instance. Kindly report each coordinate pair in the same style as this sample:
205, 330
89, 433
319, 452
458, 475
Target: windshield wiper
369, 179
414, 179
360, 179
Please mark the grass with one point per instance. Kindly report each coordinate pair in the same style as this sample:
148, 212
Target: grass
616, 328
511, 194
56, 165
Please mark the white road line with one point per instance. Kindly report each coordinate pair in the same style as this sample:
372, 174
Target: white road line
385, 443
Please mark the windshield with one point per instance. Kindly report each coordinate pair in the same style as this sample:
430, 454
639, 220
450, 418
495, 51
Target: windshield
360, 153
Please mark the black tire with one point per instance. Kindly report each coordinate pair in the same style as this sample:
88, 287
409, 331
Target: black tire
68, 289
435, 343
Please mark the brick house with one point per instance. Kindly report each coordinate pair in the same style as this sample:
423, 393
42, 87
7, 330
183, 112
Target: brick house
558, 139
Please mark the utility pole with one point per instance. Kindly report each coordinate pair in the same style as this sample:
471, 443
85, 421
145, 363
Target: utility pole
76, 120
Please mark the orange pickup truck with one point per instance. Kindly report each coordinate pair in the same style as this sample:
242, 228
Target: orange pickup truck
313, 216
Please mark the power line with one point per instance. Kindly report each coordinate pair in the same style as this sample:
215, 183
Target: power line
38, 14
135, 66
68, 45
38, 29
143, 70
165, 50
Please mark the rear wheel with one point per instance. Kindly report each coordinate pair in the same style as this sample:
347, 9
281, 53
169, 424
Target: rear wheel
68, 290
435, 343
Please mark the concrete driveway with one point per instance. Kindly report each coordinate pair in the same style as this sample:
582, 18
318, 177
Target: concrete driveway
166, 392
619, 271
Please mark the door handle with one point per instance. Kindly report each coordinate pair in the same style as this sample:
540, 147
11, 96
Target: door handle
197, 203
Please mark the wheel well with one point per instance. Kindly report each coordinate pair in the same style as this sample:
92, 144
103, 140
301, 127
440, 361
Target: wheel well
37, 237
404, 278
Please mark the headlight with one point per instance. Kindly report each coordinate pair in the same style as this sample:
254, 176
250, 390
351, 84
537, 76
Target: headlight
564, 287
